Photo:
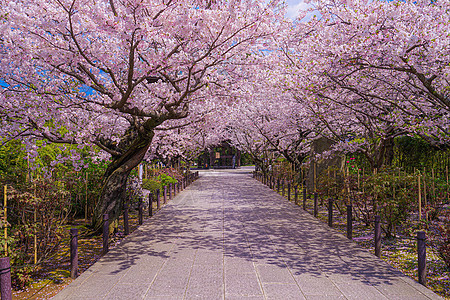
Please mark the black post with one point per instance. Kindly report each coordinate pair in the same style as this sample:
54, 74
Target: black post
296, 195
282, 188
330, 212
316, 206
105, 234
150, 204
422, 257
125, 219
165, 194
349, 222
141, 212
377, 236
278, 185
170, 191
158, 199
73, 253
304, 198
289, 191
5, 278
178, 187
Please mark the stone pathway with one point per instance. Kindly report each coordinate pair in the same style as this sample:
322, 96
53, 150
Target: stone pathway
229, 237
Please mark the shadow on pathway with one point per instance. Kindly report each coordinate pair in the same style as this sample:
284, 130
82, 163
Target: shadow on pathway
229, 237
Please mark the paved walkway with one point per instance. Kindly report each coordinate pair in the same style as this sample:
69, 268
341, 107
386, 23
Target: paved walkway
229, 237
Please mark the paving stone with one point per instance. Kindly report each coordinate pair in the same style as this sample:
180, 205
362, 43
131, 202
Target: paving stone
318, 285
166, 292
127, 291
229, 237
205, 287
208, 257
328, 297
96, 287
360, 291
140, 274
238, 265
274, 273
164, 298
277, 291
242, 297
242, 284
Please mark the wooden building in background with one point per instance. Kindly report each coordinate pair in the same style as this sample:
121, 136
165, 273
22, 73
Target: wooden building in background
223, 156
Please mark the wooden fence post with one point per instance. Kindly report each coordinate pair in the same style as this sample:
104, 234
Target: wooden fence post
105, 233
377, 236
150, 204
316, 204
74, 253
289, 191
304, 198
158, 199
422, 257
125, 219
296, 195
330, 212
141, 212
349, 222
165, 194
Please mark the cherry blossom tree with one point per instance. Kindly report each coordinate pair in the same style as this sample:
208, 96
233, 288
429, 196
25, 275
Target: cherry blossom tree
373, 70
267, 121
109, 73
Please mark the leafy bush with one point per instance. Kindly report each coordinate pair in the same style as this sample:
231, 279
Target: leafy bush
158, 182
394, 197
151, 184
283, 169
166, 179
171, 172
440, 235
41, 210
389, 193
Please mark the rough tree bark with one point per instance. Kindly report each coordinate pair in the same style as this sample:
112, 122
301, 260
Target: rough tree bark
115, 178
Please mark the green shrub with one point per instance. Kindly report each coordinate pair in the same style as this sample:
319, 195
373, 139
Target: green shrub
151, 184
158, 182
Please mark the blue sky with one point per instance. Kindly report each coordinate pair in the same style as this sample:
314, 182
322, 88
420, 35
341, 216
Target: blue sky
294, 6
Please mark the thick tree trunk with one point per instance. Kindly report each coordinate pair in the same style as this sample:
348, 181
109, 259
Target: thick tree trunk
383, 153
115, 179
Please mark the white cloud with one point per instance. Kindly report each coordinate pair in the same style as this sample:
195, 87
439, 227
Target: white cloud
294, 6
